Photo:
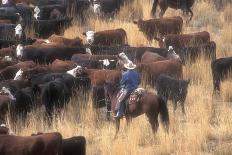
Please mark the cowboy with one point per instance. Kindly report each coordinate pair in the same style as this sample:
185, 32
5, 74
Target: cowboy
129, 82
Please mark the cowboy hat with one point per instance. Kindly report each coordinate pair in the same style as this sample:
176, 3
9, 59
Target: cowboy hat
130, 65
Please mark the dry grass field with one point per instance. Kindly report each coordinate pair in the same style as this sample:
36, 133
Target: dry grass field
207, 127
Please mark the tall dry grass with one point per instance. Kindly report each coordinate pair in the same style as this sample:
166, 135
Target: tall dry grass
205, 129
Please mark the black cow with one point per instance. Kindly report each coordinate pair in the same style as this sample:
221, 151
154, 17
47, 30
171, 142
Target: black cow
45, 28
133, 53
22, 101
10, 34
46, 55
54, 95
49, 2
94, 64
169, 88
74, 146
107, 7
10, 13
221, 69
70, 81
190, 54
45, 11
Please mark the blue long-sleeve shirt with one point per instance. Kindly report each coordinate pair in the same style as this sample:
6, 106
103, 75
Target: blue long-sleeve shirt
130, 80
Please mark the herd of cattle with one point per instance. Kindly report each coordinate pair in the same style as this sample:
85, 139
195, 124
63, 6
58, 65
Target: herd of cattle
50, 69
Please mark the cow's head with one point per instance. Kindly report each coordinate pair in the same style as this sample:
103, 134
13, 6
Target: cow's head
19, 51
19, 75
140, 24
172, 54
88, 51
89, 36
5, 2
75, 72
106, 63
162, 41
36, 12
46, 41
4, 130
7, 92
8, 58
97, 7
19, 30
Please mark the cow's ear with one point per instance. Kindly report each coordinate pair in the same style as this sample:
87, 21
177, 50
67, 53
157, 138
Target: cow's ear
135, 22
84, 34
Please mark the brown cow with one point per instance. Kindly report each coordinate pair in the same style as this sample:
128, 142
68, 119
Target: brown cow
170, 67
76, 42
10, 71
154, 28
184, 5
9, 51
106, 37
45, 144
4, 63
178, 41
3, 129
17, 84
97, 77
100, 77
59, 66
5, 21
149, 57
4, 104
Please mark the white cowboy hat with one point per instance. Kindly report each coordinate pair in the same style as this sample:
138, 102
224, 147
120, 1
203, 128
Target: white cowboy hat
130, 65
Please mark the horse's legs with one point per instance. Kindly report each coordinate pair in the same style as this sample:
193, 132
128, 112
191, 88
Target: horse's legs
174, 106
117, 123
128, 120
191, 13
153, 121
183, 108
162, 12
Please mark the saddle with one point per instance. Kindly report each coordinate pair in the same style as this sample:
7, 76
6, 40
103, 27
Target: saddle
136, 95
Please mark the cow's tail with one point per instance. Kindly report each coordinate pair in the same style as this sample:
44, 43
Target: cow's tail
163, 110
126, 39
154, 6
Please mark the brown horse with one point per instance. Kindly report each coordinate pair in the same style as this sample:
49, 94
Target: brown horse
149, 104
184, 5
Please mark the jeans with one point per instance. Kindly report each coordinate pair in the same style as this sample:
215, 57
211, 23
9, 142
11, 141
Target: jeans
121, 97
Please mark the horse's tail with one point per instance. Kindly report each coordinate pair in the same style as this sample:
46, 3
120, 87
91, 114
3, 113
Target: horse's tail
163, 109
154, 6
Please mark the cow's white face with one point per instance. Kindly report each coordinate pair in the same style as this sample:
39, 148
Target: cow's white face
19, 30
105, 62
90, 36
4, 1
7, 58
88, 51
172, 54
7, 91
36, 12
47, 41
19, 75
19, 50
97, 8
3, 125
163, 39
75, 71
